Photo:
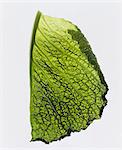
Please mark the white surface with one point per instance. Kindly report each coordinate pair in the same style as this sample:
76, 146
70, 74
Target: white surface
102, 25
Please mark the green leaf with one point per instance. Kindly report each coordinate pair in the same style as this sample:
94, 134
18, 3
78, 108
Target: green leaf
67, 86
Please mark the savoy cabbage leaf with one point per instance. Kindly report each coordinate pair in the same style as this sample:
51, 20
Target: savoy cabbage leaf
67, 86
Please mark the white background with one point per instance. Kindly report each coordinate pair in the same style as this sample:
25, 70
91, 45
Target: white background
102, 25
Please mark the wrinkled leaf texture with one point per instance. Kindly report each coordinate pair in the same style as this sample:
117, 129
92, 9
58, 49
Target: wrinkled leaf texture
67, 86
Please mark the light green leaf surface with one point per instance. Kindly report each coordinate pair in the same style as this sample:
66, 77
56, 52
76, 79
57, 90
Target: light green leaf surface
67, 86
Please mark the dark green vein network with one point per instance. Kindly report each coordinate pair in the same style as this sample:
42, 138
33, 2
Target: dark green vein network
67, 86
